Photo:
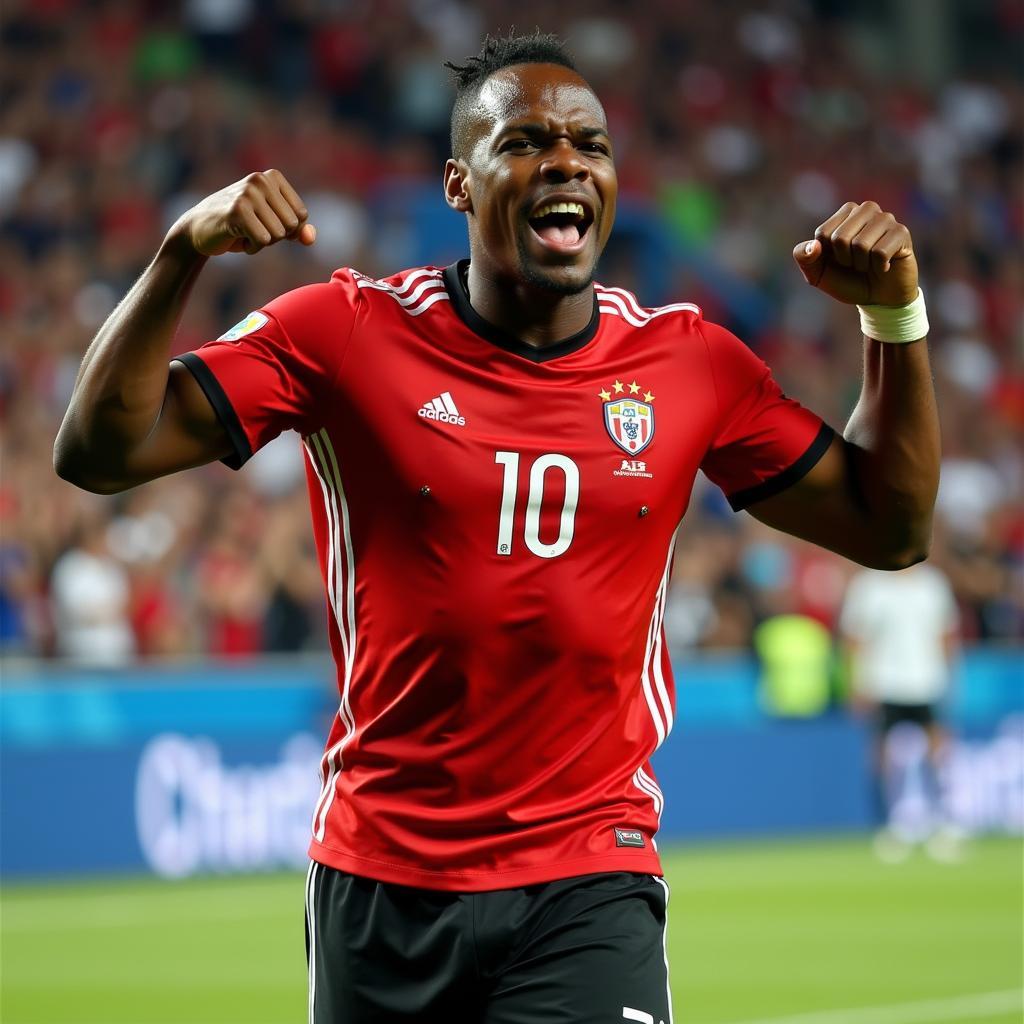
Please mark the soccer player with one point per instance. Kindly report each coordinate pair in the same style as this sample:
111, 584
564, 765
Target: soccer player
499, 453
900, 632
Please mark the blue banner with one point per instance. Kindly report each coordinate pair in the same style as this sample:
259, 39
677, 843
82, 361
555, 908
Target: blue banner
214, 769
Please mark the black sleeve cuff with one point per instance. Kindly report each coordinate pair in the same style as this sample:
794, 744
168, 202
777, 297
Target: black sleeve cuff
222, 407
789, 476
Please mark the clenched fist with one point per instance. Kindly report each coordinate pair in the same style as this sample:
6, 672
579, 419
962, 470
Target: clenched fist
247, 216
861, 255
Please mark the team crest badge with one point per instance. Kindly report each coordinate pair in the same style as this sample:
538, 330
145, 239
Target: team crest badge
629, 421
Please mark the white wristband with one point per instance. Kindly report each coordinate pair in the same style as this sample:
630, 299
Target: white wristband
895, 324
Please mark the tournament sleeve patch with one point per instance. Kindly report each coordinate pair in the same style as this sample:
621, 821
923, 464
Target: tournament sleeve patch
253, 322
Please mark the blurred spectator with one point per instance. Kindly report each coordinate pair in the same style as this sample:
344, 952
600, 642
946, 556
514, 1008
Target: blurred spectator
233, 592
295, 586
146, 536
795, 652
91, 597
737, 127
18, 588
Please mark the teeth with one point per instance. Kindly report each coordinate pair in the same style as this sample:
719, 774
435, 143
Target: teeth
573, 208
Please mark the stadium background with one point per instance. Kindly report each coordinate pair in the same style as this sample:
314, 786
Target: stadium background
178, 630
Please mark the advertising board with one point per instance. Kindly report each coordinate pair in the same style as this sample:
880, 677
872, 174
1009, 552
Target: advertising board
214, 769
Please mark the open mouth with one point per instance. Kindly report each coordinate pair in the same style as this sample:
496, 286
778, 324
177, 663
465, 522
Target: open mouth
562, 225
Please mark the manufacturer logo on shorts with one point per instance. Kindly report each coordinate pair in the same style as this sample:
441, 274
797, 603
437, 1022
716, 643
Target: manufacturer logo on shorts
629, 837
442, 409
640, 1016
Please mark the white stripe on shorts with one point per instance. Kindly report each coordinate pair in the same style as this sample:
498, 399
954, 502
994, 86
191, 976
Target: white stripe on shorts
311, 928
664, 946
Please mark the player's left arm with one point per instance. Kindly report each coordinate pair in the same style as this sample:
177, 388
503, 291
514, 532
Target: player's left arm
870, 497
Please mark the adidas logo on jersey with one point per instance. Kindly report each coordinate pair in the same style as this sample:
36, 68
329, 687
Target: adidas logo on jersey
442, 409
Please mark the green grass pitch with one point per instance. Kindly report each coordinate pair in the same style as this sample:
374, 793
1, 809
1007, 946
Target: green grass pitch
796, 932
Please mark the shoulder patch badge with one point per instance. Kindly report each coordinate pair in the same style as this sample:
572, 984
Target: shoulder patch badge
253, 322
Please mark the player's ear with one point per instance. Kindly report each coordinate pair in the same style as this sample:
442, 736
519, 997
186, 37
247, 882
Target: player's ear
456, 191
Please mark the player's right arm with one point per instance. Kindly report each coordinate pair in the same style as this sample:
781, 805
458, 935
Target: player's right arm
133, 415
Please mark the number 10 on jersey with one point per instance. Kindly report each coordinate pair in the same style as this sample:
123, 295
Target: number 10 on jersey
509, 461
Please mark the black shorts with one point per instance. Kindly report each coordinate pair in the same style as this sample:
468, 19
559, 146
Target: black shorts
891, 715
584, 950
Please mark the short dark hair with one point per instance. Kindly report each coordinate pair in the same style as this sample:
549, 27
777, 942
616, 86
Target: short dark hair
497, 53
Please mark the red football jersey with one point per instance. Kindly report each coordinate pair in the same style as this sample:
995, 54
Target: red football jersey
495, 526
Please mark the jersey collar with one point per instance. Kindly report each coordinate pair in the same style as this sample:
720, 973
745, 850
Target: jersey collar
453, 279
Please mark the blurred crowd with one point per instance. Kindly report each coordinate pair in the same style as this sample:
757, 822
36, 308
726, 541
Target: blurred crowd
738, 126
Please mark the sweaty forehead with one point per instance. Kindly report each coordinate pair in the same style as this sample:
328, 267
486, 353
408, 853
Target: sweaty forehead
538, 93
